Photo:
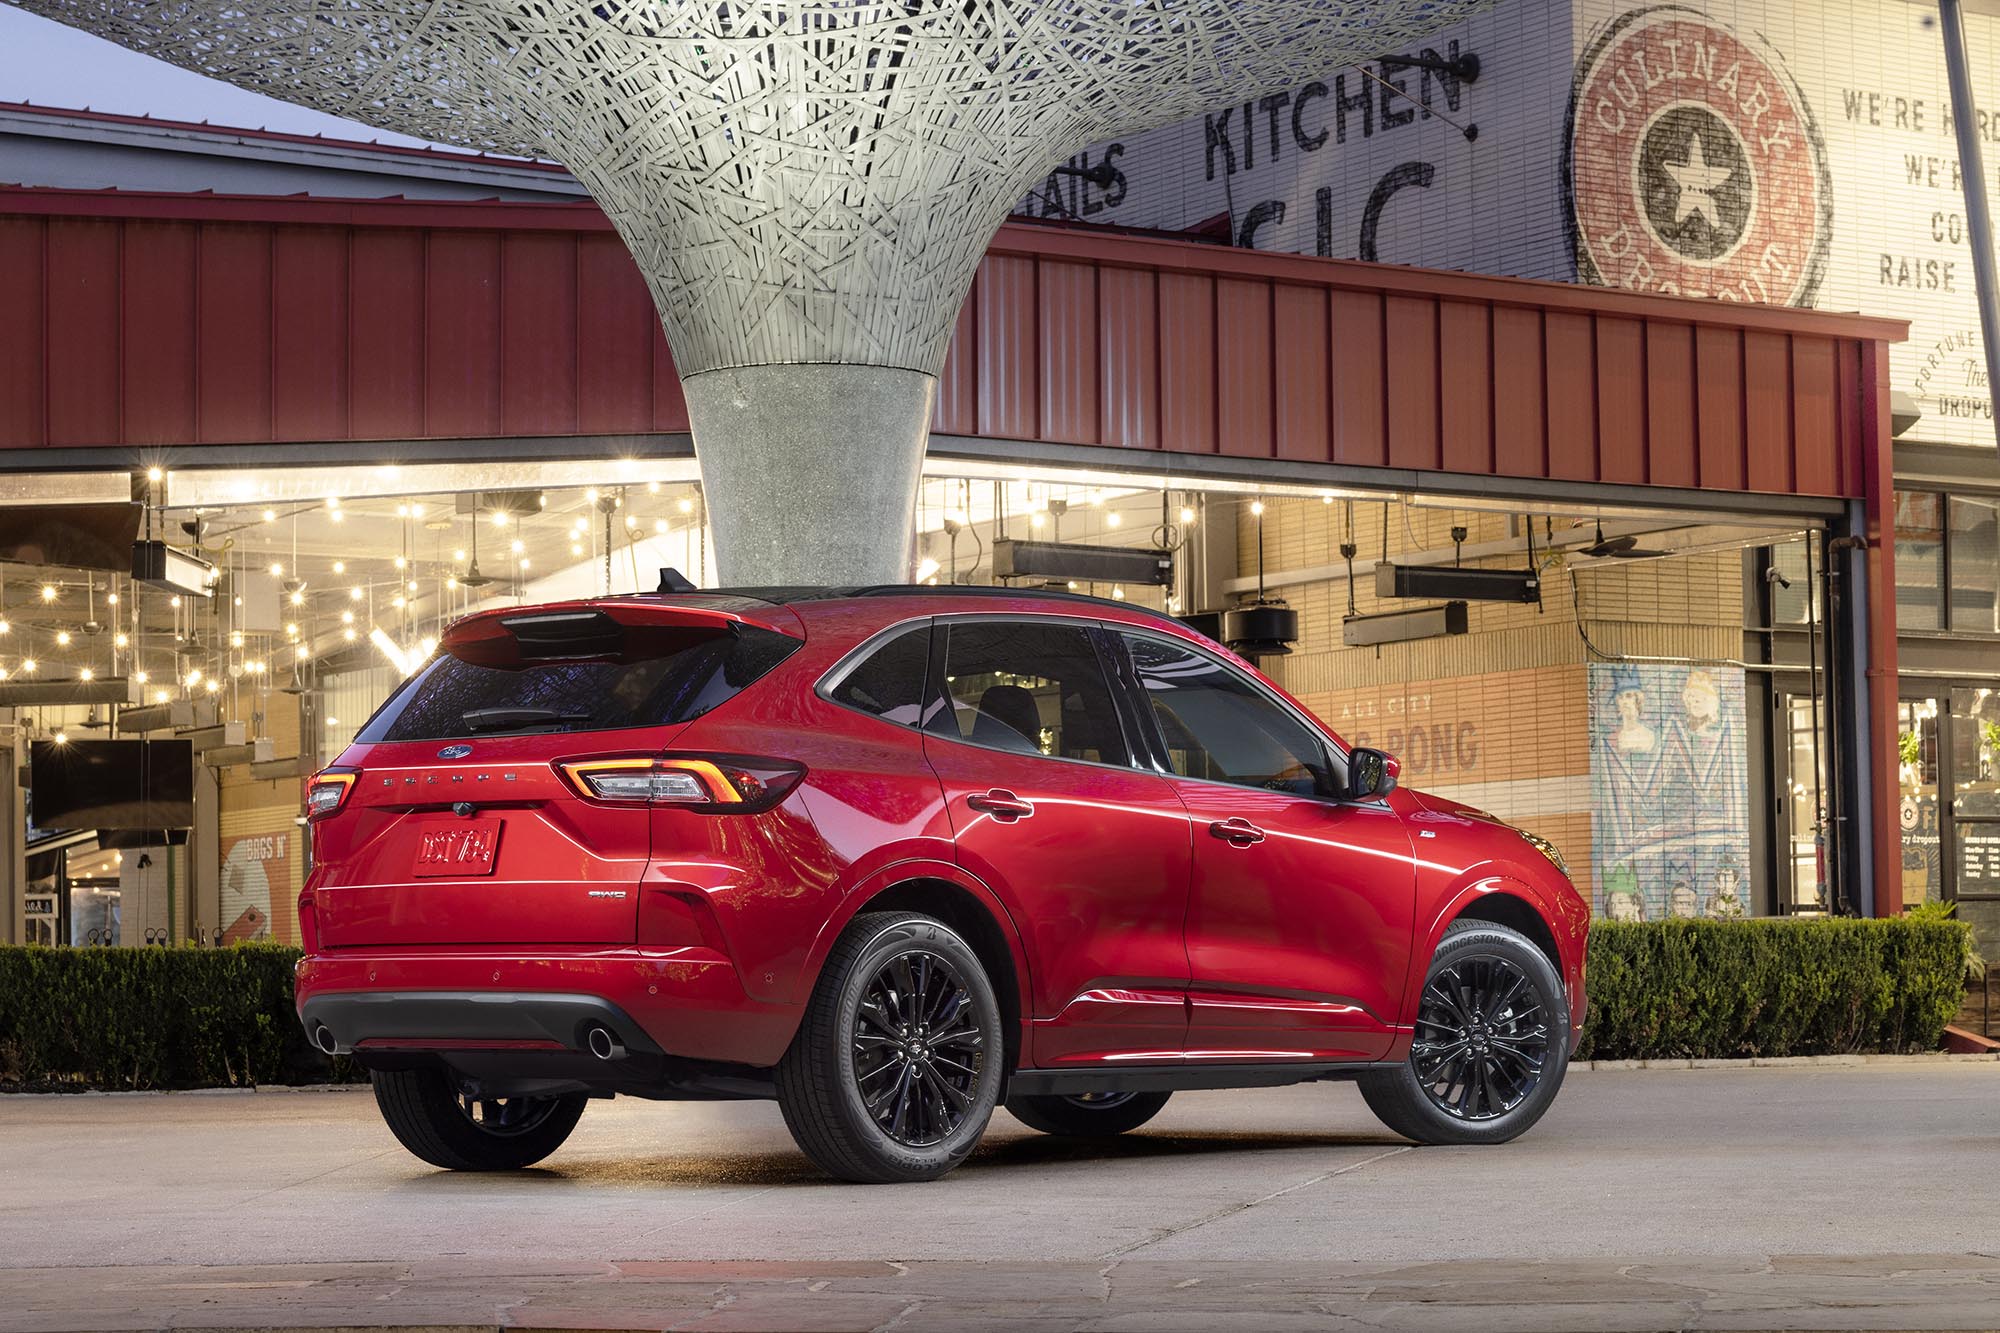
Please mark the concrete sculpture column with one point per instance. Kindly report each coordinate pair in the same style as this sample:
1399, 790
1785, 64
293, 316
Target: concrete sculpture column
807, 185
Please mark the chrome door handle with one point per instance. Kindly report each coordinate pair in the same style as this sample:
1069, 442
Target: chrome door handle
1236, 832
1002, 804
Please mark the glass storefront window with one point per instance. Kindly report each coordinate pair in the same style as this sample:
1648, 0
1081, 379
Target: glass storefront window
1975, 758
1789, 604
1975, 565
1919, 814
1919, 560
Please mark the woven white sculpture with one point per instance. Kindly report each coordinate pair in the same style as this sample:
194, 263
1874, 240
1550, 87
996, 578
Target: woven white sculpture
802, 182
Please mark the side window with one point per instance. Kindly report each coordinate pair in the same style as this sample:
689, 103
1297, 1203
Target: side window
1220, 727
1032, 688
889, 683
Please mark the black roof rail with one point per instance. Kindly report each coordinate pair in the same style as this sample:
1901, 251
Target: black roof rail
779, 596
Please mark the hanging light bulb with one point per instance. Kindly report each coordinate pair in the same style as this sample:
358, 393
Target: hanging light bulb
277, 570
28, 666
1257, 508
140, 677
48, 592
86, 674
340, 566
120, 639
1187, 514
62, 638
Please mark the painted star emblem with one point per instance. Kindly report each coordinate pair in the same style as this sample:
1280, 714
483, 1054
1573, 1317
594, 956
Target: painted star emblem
1697, 183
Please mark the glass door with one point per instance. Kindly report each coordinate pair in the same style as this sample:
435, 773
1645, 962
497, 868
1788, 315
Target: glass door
1804, 869
1920, 815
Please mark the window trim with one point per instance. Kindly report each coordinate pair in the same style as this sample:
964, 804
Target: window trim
935, 678
1157, 740
836, 675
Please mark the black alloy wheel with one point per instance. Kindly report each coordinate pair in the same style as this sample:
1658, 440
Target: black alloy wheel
1482, 1038
899, 1059
917, 1048
1490, 1047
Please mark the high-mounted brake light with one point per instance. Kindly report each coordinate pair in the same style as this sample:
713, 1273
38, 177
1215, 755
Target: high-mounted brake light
327, 793
715, 783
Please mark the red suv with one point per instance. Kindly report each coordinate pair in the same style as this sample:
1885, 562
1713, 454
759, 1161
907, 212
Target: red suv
895, 857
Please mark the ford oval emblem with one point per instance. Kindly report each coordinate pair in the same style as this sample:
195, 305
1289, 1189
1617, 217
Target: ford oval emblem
454, 752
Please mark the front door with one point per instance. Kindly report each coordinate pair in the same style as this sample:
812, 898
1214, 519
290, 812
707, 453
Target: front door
1089, 854
1301, 911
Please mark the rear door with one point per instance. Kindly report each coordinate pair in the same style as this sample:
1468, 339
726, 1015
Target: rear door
462, 826
1089, 854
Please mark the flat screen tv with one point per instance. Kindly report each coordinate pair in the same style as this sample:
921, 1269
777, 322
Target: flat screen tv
82, 784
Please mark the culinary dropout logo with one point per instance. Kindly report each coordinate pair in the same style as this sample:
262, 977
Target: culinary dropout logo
1692, 164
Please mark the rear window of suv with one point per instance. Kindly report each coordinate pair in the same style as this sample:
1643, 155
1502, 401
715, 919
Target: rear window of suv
660, 675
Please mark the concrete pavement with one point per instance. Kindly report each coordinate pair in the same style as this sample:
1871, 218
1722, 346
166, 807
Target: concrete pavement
1817, 1197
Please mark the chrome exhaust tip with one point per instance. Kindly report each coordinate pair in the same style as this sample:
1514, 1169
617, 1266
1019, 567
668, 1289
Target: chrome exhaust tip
604, 1044
324, 1039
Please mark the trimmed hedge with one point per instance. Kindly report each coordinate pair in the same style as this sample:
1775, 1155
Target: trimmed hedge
72, 1019
75, 1019
1819, 986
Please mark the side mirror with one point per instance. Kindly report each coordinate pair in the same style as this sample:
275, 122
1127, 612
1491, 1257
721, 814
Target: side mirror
1371, 774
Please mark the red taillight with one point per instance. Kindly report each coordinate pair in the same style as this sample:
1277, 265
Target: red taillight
721, 784
327, 792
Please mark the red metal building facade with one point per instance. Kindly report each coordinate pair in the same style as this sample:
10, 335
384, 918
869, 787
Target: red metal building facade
135, 325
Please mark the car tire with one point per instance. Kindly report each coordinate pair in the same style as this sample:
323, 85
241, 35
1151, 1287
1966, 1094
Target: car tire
876, 1091
1094, 1115
1491, 1043
429, 1116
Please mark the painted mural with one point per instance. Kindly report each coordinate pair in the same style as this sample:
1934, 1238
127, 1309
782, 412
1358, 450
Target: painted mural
1670, 787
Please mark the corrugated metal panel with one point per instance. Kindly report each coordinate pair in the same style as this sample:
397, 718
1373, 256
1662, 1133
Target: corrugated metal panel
1621, 401
538, 334
158, 297
1465, 386
1410, 333
233, 337
309, 333
1718, 363
462, 334
1767, 418
614, 333
386, 351
1301, 384
23, 384
1187, 363
134, 319
1129, 352
82, 326
1066, 366
1360, 412
1520, 434
1243, 370
1670, 389
1009, 398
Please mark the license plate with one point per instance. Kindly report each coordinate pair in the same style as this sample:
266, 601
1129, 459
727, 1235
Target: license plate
462, 847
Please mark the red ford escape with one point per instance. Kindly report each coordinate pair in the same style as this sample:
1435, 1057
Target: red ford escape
895, 857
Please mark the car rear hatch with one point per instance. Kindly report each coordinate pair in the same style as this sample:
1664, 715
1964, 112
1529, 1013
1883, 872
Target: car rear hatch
459, 822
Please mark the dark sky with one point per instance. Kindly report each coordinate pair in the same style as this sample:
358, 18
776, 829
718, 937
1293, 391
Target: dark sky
46, 63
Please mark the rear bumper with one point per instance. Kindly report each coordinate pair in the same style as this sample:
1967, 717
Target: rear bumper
686, 1003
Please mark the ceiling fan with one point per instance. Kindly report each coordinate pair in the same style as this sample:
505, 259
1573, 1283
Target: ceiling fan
472, 578
1624, 547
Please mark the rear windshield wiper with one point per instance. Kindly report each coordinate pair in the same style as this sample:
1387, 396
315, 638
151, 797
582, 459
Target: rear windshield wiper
514, 719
